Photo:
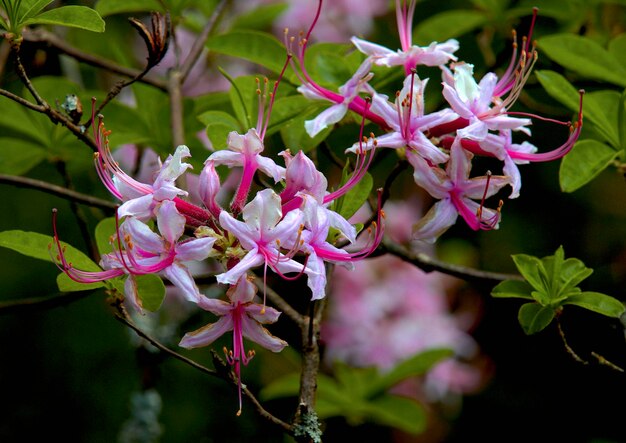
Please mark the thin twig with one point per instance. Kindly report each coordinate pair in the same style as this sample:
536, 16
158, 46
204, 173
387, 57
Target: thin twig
22, 101
21, 72
51, 40
59, 191
198, 45
157, 344
568, 348
429, 264
605, 362
123, 317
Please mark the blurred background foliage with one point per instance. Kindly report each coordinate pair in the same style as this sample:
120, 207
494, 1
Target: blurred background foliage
70, 372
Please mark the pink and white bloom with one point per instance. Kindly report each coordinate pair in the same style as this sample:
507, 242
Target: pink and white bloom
478, 104
408, 121
262, 233
143, 251
348, 92
457, 193
242, 316
245, 151
435, 54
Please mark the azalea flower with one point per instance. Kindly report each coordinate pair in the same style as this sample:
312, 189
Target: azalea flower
314, 242
242, 316
142, 251
457, 193
435, 54
262, 233
348, 92
140, 198
245, 150
477, 103
408, 122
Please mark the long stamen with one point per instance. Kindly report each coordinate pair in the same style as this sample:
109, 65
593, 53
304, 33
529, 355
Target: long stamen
362, 164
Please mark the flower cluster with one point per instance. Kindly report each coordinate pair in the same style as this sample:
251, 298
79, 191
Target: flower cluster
440, 145
283, 228
288, 226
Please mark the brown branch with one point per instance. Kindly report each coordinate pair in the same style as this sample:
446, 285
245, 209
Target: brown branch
429, 264
310, 367
59, 191
22, 101
51, 40
42, 105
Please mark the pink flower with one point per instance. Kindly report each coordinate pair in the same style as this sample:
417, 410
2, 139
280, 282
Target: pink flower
245, 151
348, 92
262, 234
408, 122
242, 316
143, 251
436, 54
456, 192
473, 102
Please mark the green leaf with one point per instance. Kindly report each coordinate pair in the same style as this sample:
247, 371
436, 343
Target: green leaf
448, 24
35, 245
105, 229
294, 134
572, 273
533, 317
243, 97
531, 269
597, 302
560, 89
583, 163
3, 23
417, 365
109, 7
72, 16
584, 56
255, 46
355, 197
512, 289
18, 156
617, 48
150, 291
288, 109
66, 284
218, 125
402, 413
30, 8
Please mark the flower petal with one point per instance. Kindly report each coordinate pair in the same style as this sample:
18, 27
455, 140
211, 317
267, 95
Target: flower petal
196, 249
170, 222
180, 277
207, 334
258, 334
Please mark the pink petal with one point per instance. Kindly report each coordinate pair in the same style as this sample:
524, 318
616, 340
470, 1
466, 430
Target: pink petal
207, 334
170, 222
180, 277
258, 334
197, 249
